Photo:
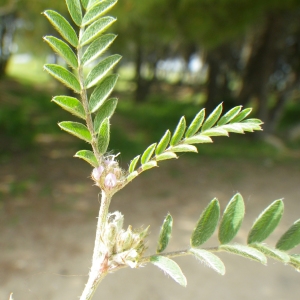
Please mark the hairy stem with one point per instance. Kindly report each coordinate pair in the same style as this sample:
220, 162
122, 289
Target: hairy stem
85, 103
178, 253
99, 267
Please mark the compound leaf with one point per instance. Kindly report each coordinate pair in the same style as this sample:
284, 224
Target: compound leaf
95, 29
170, 267
103, 136
102, 91
147, 154
63, 50
196, 123
88, 156
165, 234
106, 111
179, 131
75, 11
232, 219
291, 238
76, 129
266, 222
206, 224
133, 164
100, 70
97, 47
246, 252
97, 11
62, 26
64, 76
209, 259
163, 143
212, 118
71, 105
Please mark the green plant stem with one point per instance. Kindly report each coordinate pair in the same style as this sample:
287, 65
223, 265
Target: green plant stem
85, 103
99, 267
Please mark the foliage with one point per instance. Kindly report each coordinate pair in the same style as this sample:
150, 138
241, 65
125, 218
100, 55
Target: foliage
116, 247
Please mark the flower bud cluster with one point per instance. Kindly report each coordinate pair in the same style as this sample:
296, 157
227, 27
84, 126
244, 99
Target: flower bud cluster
123, 247
108, 174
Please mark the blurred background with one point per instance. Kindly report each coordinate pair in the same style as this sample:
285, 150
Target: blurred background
178, 57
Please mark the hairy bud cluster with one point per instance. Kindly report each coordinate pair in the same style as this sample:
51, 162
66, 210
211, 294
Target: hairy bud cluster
122, 247
108, 174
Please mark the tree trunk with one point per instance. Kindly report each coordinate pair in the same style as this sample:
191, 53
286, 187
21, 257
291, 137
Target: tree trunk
261, 65
7, 29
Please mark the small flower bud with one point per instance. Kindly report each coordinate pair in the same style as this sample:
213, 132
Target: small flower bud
97, 172
110, 180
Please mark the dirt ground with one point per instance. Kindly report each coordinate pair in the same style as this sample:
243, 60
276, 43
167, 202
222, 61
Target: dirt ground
48, 217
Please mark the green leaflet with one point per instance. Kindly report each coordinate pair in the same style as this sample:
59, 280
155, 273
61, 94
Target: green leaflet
71, 105
165, 155
229, 115
232, 219
149, 165
266, 222
241, 116
163, 143
85, 3
209, 259
131, 176
88, 156
195, 124
183, 148
92, 2
64, 76
100, 70
198, 139
179, 132
77, 129
165, 234
63, 50
106, 111
246, 252
103, 136
250, 127
133, 164
62, 26
97, 47
212, 118
291, 238
148, 154
74, 8
236, 128
273, 253
295, 261
170, 267
97, 11
215, 132
206, 224
95, 29
102, 91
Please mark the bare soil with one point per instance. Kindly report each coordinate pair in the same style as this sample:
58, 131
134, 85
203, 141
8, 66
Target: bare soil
48, 217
